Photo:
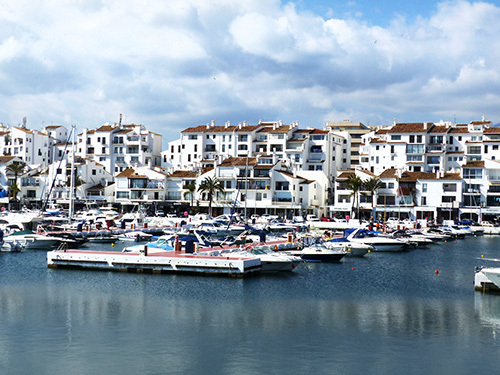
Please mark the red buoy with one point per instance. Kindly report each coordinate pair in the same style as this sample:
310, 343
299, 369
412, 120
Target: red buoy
353, 268
436, 271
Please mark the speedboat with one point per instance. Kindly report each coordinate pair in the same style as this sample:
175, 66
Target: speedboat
352, 249
163, 243
411, 238
270, 261
320, 253
364, 236
135, 236
34, 241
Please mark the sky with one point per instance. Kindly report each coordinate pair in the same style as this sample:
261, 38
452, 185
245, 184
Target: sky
175, 64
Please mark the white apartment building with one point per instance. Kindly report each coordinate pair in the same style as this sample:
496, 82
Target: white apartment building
119, 146
140, 185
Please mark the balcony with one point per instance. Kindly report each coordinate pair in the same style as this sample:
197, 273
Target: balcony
440, 148
282, 198
316, 158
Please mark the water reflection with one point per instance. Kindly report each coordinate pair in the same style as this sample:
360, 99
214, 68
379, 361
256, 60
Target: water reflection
73, 332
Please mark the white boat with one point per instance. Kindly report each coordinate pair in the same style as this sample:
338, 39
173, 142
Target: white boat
380, 243
34, 241
490, 228
270, 261
351, 249
487, 278
10, 247
320, 253
136, 235
411, 237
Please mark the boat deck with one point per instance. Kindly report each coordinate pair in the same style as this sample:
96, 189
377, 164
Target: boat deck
154, 262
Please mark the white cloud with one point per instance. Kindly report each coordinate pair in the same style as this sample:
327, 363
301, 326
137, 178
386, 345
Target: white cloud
174, 64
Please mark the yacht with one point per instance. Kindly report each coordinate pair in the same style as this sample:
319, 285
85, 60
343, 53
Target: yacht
270, 261
371, 238
320, 253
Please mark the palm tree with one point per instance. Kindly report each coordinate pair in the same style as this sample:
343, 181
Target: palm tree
77, 181
354, 183
372, 185
16, 167
211, 186
190, 189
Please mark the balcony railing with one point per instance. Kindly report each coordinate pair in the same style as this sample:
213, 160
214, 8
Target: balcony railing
434, 148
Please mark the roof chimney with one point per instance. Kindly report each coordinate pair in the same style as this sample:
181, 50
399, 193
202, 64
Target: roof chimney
425, 126
394, 122
228, 124
213, 123
245, 123
239, 125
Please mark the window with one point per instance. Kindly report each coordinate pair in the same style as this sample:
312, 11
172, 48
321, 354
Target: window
472, 173
258, 196
423, 201
94, 172
122, 194
392, 149
414, 158
395, 137
447, 199
415, 149
424, 188
475, 150
412, 139
391, 185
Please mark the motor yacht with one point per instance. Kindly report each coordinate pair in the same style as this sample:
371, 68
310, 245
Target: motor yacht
371, 238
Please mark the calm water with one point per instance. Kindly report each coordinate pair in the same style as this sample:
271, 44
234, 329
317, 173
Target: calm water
391, 314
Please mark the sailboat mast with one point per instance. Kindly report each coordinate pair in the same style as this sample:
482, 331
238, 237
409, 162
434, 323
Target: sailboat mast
72, 176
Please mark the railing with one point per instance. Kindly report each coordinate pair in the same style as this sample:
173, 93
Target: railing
315, 158
434, 148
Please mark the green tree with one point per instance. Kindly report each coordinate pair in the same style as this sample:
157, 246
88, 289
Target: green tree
372, 185
355, 184
77, 182
190, 189
16, 167
211, 186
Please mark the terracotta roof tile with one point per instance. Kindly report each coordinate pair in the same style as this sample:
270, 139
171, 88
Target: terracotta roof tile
195, 129
439, 129
105, 128
248, 128
238, 161
377, 140
491, 131
345, 175
409, 128
126, 172
388, 173
458, 130
474, 164
183, 174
